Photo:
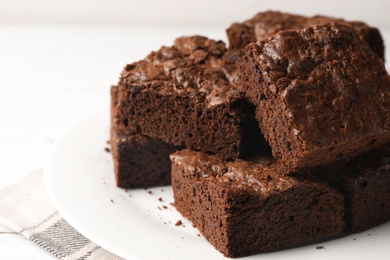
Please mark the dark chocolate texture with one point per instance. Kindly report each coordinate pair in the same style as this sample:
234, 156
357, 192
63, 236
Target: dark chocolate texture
139, 161
365, 182
186, 95
247, 207
266, 24
321, 95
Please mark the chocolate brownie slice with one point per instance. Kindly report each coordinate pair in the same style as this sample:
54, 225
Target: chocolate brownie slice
365, 182
321, 94
266, 24
139, 161
186, 95
247, 207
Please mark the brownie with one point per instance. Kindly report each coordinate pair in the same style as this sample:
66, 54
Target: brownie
247, 207
186, 95
139, 161
266, 24
365, 182
321, 95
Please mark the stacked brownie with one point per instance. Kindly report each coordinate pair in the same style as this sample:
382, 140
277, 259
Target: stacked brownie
185, 95
281, 138
321, 95
139, 160
181, 96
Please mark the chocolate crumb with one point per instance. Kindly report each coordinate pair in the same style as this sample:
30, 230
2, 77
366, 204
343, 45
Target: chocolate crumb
160, 199
354, 239
112, 201
150, 192
165, 207
198, 235
107, 149
159, 208
178, 223
171, 204
162, 190
320, 247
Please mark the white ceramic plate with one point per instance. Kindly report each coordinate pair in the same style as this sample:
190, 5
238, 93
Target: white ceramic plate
135, 224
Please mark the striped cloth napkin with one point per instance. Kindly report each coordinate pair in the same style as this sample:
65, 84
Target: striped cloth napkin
26, 208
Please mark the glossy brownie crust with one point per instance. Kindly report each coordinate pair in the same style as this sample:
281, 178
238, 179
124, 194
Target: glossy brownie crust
139, 161
266, 24
365, 182
321, 95
243, 207
185, 95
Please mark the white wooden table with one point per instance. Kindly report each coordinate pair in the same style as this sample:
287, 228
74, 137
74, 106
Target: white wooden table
50, 78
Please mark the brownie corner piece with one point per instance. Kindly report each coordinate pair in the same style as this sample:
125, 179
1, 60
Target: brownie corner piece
186, 95
321, 95
244, 208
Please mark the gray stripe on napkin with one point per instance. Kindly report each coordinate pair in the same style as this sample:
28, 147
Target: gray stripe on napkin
26, 208
61, 237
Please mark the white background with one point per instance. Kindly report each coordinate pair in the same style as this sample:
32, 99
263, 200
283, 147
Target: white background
185, 12
59, 58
